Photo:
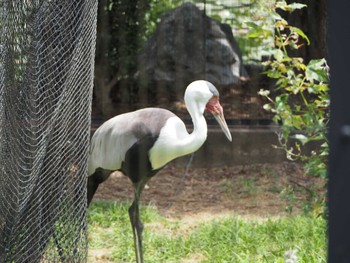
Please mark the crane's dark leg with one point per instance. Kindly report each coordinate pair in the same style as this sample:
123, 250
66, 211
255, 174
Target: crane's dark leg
136, 224
94, 180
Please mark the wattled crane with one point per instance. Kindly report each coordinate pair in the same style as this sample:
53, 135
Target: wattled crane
142, 142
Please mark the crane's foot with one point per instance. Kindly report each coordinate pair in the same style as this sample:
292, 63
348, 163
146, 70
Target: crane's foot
137, 228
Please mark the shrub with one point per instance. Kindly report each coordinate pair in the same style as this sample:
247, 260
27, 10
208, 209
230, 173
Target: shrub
300, 101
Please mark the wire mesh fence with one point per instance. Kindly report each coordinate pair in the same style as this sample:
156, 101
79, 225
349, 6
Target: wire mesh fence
46, 75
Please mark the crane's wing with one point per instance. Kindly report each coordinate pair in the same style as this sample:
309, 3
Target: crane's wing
115, 137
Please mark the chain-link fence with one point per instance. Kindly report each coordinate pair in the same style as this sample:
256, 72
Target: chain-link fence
46, 76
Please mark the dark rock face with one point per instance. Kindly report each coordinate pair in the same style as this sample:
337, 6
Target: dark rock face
186, 46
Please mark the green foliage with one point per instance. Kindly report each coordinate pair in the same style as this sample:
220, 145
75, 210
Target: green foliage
157, 9
238, 14
301, 102
229, 239
242, 16
131, 23
120, 33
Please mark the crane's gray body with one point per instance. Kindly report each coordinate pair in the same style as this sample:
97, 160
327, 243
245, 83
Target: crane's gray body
127, 138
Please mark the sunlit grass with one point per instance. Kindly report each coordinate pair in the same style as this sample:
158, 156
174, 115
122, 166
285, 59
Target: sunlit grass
228, 239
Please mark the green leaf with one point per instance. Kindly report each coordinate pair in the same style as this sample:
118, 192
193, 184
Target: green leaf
302, 138
254, 34
300, 33
278, 54
252, 24
317, 63
316, 70
217, 17
291, 7
295, 6
324, 145
275, 16
297, 121
257, 31
274, 74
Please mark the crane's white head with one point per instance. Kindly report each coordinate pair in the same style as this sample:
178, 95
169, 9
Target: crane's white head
202, 95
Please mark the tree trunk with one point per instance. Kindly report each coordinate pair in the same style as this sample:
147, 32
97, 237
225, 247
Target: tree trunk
102, 88
119, 35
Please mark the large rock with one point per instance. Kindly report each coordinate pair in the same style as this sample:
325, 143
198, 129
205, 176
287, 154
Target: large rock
188, 45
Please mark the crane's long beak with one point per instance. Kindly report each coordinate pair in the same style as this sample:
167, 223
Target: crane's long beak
222, 122
215, 108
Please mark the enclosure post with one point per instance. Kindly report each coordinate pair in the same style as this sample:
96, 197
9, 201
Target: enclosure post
339, 162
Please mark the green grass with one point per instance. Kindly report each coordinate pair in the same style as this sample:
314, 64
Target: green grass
229, 239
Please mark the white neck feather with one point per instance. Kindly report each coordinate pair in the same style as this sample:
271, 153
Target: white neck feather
199, 134
174, 140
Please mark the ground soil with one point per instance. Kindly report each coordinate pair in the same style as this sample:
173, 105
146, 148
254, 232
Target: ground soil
258, 190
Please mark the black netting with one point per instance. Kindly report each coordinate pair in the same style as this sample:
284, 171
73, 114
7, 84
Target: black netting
46, 76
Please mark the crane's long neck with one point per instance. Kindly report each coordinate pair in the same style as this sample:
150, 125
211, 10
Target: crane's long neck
189, 143
168, 147
199, 133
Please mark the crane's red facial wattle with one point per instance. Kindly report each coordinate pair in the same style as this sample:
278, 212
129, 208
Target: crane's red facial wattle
214, 107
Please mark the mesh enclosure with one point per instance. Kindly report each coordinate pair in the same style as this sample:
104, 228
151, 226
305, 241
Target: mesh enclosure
46, 78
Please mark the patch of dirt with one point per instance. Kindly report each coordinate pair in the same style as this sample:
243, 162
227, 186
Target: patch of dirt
257, 190
100, 255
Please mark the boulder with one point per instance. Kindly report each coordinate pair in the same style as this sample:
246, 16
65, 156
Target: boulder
188, 45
